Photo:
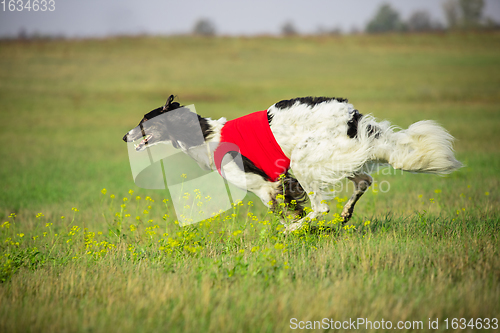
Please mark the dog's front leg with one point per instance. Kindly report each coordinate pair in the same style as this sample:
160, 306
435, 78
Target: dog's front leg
318, 205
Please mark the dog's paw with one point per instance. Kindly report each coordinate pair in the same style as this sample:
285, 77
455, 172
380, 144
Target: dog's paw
292, 227
346, 215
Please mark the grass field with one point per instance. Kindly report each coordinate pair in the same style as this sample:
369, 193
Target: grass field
84, 250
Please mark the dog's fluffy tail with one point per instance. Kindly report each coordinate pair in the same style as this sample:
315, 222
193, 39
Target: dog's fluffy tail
423, 147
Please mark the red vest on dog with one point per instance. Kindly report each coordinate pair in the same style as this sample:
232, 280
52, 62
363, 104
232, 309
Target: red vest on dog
253, 136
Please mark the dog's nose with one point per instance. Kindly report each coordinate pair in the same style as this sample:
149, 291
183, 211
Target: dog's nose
125, 137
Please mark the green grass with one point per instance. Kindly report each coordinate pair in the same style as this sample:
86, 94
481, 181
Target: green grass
429, 250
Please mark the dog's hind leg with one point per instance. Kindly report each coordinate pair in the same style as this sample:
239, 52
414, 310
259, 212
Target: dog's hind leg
361, 183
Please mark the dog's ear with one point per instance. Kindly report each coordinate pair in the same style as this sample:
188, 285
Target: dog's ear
167, 104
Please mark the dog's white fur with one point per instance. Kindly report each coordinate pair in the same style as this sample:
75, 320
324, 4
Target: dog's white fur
322, 154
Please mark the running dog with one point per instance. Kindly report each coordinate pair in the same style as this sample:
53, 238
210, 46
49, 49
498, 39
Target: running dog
300, 148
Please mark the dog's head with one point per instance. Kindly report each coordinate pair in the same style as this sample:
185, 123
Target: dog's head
170, 123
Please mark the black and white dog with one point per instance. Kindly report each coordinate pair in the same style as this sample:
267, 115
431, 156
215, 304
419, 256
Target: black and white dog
320, 140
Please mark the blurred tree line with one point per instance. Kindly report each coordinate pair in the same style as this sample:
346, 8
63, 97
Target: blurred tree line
459, 14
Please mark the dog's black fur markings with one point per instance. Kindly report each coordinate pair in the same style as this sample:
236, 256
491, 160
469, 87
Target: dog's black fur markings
373, 130
269, 118
248, 165
352, 125
309, 101
205, 127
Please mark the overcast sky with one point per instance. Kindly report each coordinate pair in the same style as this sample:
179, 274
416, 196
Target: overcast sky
89, 18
